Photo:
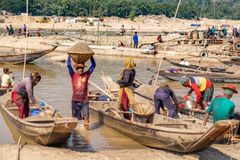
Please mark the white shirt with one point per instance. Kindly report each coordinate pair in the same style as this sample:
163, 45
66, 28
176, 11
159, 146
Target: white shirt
6, 80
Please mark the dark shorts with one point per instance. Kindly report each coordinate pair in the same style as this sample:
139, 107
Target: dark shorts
80, 110
208, 94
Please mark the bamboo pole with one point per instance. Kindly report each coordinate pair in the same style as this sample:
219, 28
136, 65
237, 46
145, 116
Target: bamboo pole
108, 94
98, 32
26, 41
131, 37
165, 47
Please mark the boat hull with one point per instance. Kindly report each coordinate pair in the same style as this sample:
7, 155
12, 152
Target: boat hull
48, 131
215, 78
18, 58
177, 140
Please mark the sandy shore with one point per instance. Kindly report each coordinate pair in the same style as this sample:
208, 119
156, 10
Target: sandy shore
30, 152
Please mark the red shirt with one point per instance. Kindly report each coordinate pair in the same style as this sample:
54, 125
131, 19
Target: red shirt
80, 86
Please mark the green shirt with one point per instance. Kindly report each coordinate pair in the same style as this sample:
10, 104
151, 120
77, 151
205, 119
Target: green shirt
222, 109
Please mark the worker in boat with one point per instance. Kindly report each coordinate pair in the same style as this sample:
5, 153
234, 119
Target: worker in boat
80, 102
222, 108
164, 96
23, 92
126, 84
202, 87
6, 81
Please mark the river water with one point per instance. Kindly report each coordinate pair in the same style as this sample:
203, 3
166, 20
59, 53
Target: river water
55, 89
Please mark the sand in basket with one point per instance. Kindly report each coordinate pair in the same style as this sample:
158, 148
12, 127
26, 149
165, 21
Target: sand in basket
143, 112
80, 52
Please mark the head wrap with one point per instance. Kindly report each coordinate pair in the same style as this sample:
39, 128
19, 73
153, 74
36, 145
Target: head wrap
129, 63
35, 75
230, 87
79, 65
228, 91
5, 70
184, 80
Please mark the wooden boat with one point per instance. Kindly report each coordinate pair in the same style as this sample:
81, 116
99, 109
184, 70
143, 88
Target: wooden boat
16, 55
117, 51
199, 114
164, 133
197, 66
231, 61
47, 128
213, 76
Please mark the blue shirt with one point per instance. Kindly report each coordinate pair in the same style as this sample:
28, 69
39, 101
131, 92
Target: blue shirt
135, 38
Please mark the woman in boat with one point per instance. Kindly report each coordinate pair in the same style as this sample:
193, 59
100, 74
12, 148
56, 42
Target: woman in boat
221, 107
164, 96
6, 81
125, 82
23, 92
80, 101
202, 87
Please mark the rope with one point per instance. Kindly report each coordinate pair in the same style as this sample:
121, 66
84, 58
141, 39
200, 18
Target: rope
26, 41
232, 135
165, 46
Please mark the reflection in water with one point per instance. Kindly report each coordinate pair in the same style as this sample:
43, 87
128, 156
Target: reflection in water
78, 142
55, 89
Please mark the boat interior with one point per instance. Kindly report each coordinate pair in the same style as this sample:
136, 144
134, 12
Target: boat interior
45, 115
111, 108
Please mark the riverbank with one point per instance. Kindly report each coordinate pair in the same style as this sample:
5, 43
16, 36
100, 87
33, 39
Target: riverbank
30, 152
64, 43
153, 23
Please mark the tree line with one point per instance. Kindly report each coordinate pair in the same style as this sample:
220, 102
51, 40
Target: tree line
189, 9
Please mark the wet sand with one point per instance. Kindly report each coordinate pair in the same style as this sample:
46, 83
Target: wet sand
30, 152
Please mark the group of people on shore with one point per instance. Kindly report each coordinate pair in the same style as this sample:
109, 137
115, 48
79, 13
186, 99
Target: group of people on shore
21, 31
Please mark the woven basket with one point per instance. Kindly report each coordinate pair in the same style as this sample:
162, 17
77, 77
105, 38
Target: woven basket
143, 112
80, 52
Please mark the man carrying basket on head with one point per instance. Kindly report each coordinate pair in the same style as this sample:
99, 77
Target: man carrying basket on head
80, 102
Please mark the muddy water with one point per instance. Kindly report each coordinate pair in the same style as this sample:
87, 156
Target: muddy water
55, 89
